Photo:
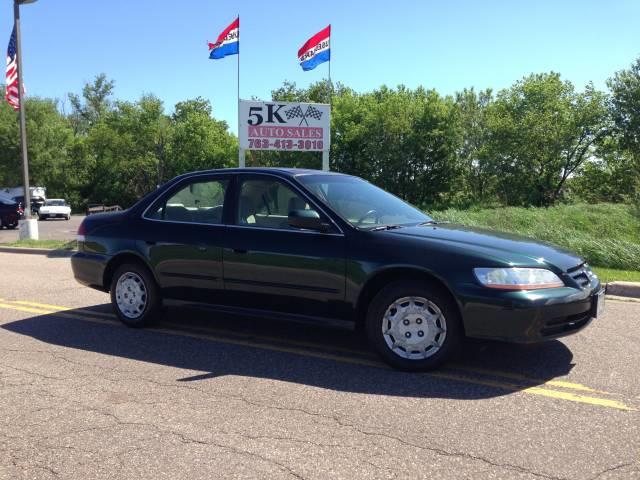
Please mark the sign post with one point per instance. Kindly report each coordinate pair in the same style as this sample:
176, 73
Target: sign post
284, 126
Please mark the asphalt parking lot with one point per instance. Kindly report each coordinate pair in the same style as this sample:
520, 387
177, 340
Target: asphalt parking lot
208, 395
52, 229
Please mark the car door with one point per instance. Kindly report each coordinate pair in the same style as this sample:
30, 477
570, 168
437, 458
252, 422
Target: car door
183, 238
273, 266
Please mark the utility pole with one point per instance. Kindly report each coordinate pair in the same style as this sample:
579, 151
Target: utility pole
31, 228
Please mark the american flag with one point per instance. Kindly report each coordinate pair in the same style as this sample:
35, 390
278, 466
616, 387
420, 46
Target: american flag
12, 73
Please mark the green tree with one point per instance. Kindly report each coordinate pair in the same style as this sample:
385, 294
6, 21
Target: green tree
198, 141
541, 132
130, 149
478, 179
403, 140
625, 110
625, 106
95, 102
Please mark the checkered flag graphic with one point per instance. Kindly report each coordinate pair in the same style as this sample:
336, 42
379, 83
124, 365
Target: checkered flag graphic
313, 112
295, 112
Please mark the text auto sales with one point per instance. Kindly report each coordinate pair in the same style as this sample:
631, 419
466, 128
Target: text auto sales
281, 137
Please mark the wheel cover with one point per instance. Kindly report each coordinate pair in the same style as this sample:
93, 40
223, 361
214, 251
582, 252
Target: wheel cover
131, 295
414, 328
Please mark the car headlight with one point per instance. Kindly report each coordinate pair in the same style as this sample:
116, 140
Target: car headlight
517, 278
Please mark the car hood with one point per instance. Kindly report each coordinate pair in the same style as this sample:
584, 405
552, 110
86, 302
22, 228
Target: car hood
502, 247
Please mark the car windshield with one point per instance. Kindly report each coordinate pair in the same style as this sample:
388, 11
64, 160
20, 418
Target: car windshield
360, 203
55, 203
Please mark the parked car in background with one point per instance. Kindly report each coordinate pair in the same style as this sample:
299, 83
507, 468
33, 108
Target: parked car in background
306, 243
54, 208
10, 212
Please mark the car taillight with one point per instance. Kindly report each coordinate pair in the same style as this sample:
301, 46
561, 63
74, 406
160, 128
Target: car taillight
81, 232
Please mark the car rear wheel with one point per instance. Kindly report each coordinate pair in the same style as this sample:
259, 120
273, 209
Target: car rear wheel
414, 325
135, 296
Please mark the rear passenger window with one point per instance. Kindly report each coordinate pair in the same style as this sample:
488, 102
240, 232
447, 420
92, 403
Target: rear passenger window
198, 202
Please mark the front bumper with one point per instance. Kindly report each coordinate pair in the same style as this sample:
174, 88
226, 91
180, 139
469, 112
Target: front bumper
88, 269
527, 316
52, 215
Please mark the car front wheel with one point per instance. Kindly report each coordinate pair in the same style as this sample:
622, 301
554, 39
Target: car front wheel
135, 296
414, 325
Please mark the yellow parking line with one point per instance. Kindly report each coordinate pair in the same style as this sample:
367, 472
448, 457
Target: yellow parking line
24, 309
546, 392
38, 305
516, 376
301, 343
255, 343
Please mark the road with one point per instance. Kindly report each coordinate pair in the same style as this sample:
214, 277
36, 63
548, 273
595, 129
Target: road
204, 395
53, 229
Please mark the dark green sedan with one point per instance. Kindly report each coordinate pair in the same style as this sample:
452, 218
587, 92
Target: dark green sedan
310, 244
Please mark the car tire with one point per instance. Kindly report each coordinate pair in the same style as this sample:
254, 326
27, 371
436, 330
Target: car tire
12, 226
41, 218
68, 217
427, 332
135, 296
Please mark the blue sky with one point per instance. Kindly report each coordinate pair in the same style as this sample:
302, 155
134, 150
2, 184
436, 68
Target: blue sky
159, 46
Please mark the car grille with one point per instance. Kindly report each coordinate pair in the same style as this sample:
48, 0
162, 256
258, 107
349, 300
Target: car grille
580, 276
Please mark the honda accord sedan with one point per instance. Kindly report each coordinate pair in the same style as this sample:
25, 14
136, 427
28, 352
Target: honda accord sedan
309, 244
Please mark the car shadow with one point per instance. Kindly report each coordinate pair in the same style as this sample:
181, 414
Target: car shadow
214, 344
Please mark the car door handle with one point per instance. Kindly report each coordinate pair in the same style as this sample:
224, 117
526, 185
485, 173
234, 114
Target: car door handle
239, 250
202, 248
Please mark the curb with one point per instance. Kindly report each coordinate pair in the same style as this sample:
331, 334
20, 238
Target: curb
615, 298
37, 251
624, 289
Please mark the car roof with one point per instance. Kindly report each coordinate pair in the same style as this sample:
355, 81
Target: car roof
288, 172
6, 197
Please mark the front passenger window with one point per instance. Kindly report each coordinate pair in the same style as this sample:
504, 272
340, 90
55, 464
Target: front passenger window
267, 203
198, 202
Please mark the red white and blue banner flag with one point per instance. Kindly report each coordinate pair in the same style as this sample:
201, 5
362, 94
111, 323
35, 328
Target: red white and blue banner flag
316, 50
228, 42
12, 73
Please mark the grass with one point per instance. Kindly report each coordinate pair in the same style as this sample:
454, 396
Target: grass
607, 235
53, 244
609, 275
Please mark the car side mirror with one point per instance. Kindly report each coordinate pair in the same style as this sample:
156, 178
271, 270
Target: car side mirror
307, 219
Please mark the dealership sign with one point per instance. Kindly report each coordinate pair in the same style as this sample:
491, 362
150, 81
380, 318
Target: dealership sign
289, 126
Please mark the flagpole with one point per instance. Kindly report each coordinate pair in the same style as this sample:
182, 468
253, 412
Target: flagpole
325, 153
241, 157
